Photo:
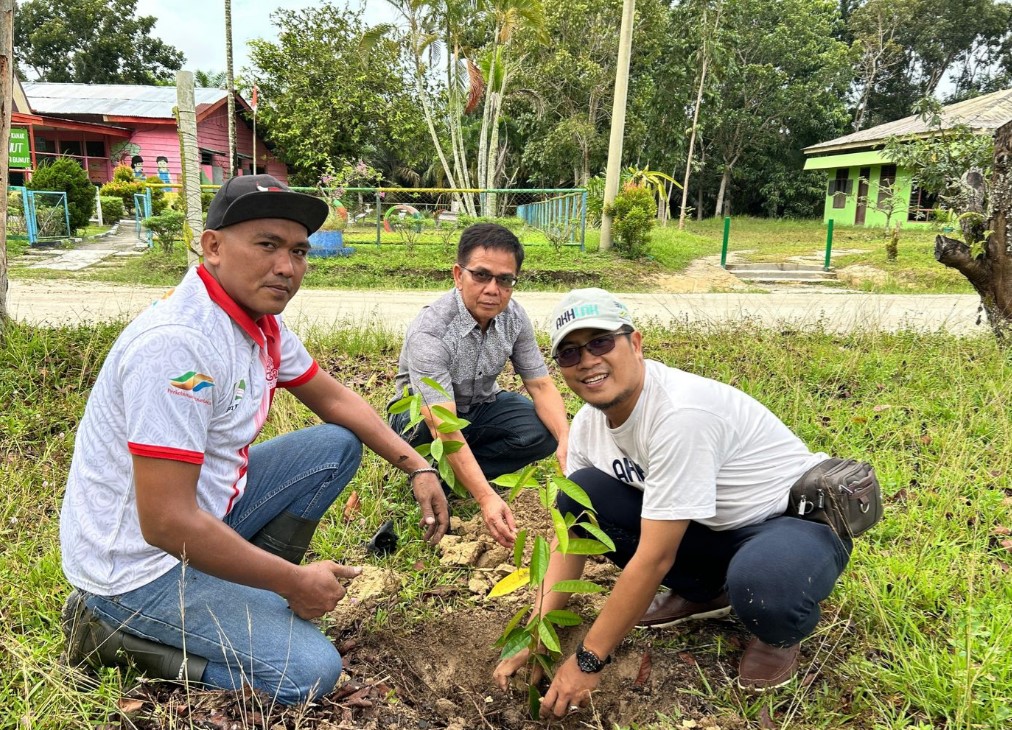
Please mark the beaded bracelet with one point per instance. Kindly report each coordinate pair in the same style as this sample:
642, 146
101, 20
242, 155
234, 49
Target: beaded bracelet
416, 472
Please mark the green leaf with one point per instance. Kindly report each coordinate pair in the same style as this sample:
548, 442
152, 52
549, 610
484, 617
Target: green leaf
518, 547
561, 530
437, 387
515, 580
444, 413
546, 664
515, 643
533, 701
574, 491
402, 405
452, 447
436, 449
576, 586
416, 410
599, 534
548, 636
517, 617
562, 617
539, 560
552, 494
424, 449
583, 546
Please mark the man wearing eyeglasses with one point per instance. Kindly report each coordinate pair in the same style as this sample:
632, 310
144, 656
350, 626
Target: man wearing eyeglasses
690, 478
462, 341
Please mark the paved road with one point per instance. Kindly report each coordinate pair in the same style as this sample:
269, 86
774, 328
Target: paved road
66, 302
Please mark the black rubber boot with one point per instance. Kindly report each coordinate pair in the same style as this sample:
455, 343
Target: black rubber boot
90, 640
287, 536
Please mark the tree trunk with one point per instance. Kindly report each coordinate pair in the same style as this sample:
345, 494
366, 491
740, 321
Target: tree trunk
6, 107
725, 179
990, 273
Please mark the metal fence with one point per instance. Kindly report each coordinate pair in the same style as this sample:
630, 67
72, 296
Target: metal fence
409, 216
37, 215
142, 210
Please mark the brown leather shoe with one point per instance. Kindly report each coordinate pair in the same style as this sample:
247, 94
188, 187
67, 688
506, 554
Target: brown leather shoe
670, 609
764, 666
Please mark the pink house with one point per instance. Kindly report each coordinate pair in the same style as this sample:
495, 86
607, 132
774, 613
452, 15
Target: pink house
147, 139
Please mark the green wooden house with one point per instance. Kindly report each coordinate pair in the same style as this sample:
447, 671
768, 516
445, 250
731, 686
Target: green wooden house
866, 189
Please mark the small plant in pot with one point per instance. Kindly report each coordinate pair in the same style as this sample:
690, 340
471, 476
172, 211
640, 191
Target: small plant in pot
329, 240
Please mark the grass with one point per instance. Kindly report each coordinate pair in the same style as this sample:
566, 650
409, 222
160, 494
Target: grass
916, 636
427, 263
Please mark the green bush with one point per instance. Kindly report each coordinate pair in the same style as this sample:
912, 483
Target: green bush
632, 218
179, 201
123, 173
124, 190
158, 201
167, 228
112, 209
66, 175
15, 203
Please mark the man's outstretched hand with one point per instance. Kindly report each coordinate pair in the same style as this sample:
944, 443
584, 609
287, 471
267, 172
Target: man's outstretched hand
316, 588
435, 513
499, 519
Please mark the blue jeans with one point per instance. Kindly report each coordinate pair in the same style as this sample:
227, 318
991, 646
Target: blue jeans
775, 573
248, 635
505, 435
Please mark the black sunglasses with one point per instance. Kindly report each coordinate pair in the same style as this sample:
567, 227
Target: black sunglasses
505, 281
569, 356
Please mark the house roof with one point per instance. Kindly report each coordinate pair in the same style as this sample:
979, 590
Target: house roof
113, 100
981, 114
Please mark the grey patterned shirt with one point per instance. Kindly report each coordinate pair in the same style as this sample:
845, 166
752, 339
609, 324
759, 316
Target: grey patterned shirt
445, 343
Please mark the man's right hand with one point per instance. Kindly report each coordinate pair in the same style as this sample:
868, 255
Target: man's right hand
499, 519
316, 589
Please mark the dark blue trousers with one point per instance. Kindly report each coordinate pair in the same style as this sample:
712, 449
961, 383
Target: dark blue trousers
505, 435
775, 573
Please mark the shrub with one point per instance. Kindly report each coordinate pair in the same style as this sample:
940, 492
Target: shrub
632, 218
15, 203
112, 209
123, 173
167, 228
158, 201
66, 175
179, 201
124, 190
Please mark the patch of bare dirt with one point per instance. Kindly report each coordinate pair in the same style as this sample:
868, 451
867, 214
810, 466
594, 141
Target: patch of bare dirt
856, 275
438, 675
700, 277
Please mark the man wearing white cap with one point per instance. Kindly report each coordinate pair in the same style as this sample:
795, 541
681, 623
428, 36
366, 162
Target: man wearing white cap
690, 478
184, 541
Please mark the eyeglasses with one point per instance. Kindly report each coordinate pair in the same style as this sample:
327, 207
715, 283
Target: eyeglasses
569, 356
505, 281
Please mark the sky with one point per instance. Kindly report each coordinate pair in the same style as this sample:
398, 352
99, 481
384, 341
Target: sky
197, 27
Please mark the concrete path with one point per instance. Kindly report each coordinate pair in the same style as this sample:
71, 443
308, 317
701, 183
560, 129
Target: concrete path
66, 302
122, 240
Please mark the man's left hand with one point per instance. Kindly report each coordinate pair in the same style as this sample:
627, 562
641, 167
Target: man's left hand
570, 690
435, 514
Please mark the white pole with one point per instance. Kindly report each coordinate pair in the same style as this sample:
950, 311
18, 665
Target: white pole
98, 204
617, 119
255, 141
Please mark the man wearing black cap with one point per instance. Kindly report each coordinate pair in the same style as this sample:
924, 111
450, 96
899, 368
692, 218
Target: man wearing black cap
184, 542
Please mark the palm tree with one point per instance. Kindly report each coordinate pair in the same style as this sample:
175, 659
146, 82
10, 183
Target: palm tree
210, 79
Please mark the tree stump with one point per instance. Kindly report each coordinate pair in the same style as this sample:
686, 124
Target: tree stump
990, 269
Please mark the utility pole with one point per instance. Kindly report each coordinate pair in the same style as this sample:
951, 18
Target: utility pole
186, 122
231, 90
6, 107
617, 119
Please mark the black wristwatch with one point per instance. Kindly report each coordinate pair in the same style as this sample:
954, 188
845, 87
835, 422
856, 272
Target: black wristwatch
588, 661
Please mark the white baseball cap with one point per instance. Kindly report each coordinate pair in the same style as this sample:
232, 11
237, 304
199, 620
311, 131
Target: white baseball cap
588, 309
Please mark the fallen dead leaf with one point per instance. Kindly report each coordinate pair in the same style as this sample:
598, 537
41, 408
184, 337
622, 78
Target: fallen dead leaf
646, 666
765, 721
129, 706
352, 506
687, 657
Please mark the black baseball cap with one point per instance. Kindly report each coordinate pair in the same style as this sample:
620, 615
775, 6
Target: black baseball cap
252, 197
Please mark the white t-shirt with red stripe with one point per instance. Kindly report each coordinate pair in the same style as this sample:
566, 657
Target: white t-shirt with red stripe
191, 379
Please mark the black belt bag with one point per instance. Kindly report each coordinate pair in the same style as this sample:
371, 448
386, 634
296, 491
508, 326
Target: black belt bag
842, 493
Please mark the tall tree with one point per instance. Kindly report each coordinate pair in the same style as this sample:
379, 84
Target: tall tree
959, 39
322, 99
782, 66
230, 80
91, 41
